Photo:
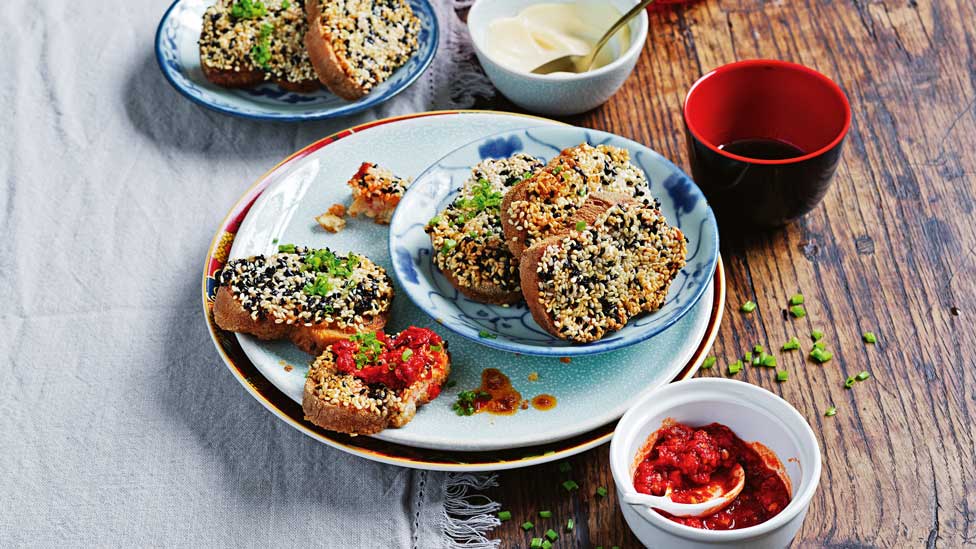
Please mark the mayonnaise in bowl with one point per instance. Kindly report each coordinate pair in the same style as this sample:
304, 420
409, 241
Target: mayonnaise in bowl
543, 32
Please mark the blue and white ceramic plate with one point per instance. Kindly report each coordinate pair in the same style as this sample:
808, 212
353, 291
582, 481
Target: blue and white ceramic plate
512, 328
591, 391
179, 58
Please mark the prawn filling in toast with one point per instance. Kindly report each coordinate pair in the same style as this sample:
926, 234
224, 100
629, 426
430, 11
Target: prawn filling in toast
369, 38
376, 192
593, 281
547, 203
304, 286
373, 381
467, 236
240, 36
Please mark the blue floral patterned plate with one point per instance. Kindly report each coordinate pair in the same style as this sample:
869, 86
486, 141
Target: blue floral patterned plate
512, 328
179, 58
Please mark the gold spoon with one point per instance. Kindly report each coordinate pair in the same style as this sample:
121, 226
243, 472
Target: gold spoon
582, 63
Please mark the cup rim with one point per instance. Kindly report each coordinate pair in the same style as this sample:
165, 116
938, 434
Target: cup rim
636, 417
633, 50
783, 65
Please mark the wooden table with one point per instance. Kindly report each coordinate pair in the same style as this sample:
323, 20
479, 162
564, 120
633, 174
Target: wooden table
891, 250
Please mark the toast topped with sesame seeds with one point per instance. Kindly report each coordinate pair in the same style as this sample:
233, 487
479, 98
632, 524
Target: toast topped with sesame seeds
591, 281
376, 192
312, 297
548, 202
469, 244
355, 45
373, 381
244, 43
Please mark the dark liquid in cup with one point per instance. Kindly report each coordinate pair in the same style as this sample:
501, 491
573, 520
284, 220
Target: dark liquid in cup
762, 149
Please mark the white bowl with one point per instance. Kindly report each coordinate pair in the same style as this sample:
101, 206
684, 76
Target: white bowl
554, 94
754, 414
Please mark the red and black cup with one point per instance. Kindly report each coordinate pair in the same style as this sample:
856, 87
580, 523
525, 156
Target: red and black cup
764, 139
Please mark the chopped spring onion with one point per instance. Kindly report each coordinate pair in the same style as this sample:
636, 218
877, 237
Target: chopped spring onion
570, 524
782, 375
821, 355
552, 535
831, 412
748, 357
862, 376
527, 525
570, 485
797, 299
407, 353
758, 348
546, 544
869, 337
849, 383
709, 362
817, 335
768, 361
748, 307
601, 491
820, 345
545, 514
581, 226
791, 345
485, 334
735, 367
536, 543
504, 515
798, 311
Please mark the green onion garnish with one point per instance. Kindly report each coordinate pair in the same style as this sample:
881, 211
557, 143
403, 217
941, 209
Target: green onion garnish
552, 535
449, 244
782, 375
545, 514
831, 412
798, 311
434, 220
536, 543
709, 362
748, 307
527, 525
570, 524
869, 337
580, 225
504, 515
570, 485
758, 348
821, 355
820, 345
817, 335
849, 383
791, 345
565, 467
407, 353
768, 360
757, 359
601, 491
735, 367
546, 544
435, 348
797, 299
748, 357
485, 334
862, 376
286, 248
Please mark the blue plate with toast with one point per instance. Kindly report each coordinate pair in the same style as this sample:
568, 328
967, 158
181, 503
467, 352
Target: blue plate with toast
178, 55
512, 327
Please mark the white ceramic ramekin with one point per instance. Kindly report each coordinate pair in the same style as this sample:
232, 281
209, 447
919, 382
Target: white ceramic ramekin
754, 414
554, 94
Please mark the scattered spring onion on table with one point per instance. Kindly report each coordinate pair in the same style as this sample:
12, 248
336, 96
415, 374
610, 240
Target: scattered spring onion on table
709, 362
545, 514
748, 307
601, 491
527, 525
782, 375
570, 524
791, 345
552, 535
831, 412
504, 515
869, 337
820, 355
570, 485
798, 311
797, 299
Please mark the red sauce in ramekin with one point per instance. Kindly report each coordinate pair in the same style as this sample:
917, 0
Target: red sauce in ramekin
693, 462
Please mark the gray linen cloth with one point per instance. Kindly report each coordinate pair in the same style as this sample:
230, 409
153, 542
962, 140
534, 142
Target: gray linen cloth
119, 425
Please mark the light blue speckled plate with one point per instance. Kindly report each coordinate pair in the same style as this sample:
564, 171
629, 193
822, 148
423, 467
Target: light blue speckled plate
512, 328
178, 56
591, 391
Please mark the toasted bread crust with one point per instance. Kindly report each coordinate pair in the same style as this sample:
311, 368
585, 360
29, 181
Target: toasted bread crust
359, 414
593, 208
324, 59
231, 316
484, 293
232, 79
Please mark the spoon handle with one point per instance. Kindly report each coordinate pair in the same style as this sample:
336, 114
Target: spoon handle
591, 58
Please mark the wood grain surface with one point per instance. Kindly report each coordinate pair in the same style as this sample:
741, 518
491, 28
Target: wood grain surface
892, 250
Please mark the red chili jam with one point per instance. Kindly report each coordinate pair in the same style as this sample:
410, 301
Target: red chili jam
697, 462
496, 395
396, 362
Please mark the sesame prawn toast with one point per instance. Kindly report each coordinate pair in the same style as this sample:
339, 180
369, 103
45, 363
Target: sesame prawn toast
469, 244
373, 381
312, 297
244, 43
587, 283
548, 203
355, 45
376, 192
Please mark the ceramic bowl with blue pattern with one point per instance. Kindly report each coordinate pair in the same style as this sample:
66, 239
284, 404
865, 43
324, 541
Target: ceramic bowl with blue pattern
178, 55
512, 328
